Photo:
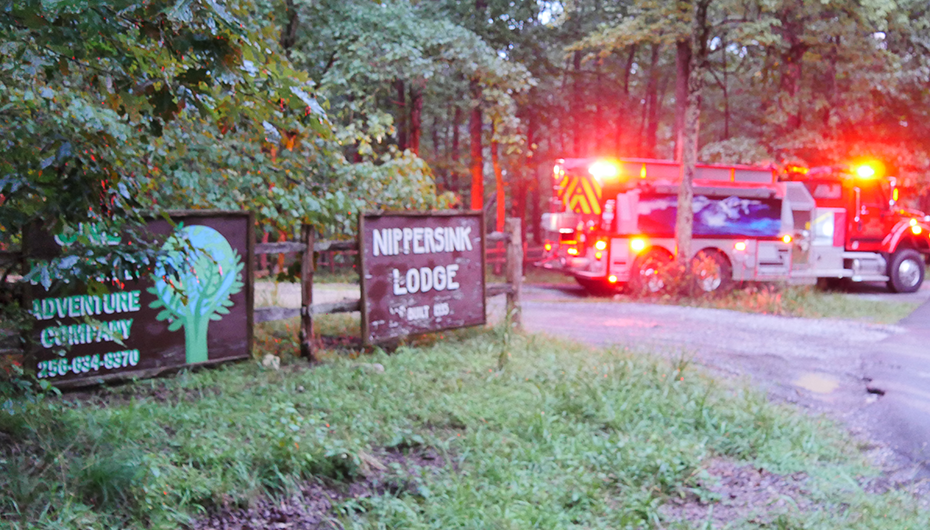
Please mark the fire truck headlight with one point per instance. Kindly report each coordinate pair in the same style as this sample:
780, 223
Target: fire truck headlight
598, 255
548, 247
916, 230
612, 279
600, 245
739, 246
786, 238
913, 222
637, 244
573, 251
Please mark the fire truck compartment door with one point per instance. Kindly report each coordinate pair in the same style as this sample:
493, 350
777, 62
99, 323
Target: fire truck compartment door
772, 258
626, 212
620, 258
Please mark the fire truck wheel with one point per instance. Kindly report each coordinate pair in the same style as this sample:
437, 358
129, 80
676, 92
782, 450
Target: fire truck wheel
906, 271
650, 272
711, 272
597, 287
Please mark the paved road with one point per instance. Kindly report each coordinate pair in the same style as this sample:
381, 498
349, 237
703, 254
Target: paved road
823, 365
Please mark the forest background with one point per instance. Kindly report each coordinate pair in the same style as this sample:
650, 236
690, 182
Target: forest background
311, 110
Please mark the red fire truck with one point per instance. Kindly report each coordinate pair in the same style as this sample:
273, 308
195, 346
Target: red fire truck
858, 231
612, 222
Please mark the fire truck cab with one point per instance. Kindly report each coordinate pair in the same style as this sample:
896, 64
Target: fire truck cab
858, 231
613, 222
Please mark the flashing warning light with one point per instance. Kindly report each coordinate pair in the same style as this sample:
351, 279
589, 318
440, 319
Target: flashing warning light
913, 222
894, 195
739, 246
597, 255
865, 171
916, 230
869, 169
801, 170
642, 171
573, 251
637, 244
600, 245
612, 279
548, 247
786, 239
604, 169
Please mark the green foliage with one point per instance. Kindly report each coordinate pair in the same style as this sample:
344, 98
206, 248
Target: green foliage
560, 436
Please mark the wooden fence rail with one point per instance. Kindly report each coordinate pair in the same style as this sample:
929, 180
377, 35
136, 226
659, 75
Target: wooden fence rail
514, 252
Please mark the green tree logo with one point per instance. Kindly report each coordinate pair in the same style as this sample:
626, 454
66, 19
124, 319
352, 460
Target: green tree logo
209, 271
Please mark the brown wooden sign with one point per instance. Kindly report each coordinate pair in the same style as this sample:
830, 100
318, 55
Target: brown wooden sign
420, 272
143, 327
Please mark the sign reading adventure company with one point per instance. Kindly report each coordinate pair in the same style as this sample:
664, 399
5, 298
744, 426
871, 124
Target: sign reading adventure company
200, 314
421, 273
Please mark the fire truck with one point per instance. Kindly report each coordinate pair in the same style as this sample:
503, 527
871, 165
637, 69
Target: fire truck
612, 222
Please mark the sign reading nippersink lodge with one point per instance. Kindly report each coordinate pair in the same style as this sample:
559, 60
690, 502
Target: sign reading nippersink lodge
202, 313
421, 272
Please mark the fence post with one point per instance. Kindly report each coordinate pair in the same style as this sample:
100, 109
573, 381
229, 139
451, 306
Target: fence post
514, 272
306, 294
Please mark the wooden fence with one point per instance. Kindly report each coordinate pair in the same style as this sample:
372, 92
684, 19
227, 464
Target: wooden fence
514, 252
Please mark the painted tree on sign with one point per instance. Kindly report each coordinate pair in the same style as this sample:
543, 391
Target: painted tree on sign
209, 273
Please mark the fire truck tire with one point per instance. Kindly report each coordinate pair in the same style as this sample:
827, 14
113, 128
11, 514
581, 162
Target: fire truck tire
906, 271
649, 272
597, 287
711, 272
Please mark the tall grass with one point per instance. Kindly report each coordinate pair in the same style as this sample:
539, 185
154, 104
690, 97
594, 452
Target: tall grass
557, 436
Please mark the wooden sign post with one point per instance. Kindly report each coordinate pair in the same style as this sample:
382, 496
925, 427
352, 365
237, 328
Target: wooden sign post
420, 272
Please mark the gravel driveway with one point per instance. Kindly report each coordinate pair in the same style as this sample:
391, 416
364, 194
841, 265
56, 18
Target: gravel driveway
873, 378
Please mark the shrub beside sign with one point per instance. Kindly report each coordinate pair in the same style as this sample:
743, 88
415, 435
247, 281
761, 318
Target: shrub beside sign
420, 272
156, 323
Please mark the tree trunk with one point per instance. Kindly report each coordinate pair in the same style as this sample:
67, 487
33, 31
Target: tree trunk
454, 155
416, 110
477, 161
791, 30
652, 96
726, 90
623, 105
522, 176
597, 126
401, 104
289, 31
682, 67
830, 88
576, 106
684, 221
499, 180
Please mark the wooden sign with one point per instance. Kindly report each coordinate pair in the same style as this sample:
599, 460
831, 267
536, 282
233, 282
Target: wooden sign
143, 327
420, 272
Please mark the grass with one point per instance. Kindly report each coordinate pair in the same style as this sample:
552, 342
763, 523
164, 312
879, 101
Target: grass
796, 301
542, 434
